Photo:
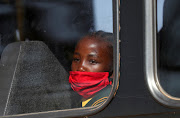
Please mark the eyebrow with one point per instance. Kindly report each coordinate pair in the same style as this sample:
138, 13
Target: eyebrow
94, 54
76, 53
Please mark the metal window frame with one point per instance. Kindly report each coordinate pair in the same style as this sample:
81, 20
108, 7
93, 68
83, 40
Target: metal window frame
151, 74
78, 112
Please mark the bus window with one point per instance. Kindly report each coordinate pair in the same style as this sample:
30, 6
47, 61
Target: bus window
168, 45
162, 46
57, 56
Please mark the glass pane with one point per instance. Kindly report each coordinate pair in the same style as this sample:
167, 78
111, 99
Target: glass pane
168, 45
55, 54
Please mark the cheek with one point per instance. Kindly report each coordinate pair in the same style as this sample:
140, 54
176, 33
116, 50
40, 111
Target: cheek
97, 68
73, 67
103, 67
108, 64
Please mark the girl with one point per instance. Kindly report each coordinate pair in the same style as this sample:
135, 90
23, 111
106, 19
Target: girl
92, 68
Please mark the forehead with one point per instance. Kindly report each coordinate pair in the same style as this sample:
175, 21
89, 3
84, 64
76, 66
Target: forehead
92, 47
93, 43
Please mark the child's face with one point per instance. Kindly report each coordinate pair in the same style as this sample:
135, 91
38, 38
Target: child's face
92, 56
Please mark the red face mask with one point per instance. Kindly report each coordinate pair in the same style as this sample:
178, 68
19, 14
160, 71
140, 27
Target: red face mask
87, 84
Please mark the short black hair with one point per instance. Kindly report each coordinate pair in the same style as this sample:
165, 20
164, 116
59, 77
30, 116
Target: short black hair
101, 35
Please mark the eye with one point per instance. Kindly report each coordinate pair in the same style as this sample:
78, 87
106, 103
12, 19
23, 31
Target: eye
92, 61
76, 59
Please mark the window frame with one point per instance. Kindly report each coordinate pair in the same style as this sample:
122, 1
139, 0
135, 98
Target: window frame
151, 74
78, 112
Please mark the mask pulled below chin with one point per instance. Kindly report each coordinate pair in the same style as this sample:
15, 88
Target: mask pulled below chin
87, 84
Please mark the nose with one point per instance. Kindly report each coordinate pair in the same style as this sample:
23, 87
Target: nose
82, 67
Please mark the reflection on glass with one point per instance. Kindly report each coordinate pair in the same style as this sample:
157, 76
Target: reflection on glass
168, 14
55, 55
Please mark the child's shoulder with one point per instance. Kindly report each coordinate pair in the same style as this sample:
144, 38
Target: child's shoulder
101, 97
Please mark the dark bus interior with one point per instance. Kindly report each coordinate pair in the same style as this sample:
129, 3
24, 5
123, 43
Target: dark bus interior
37, 43
37, 40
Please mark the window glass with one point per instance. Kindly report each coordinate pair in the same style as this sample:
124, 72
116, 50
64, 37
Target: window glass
55, 55
168, 45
